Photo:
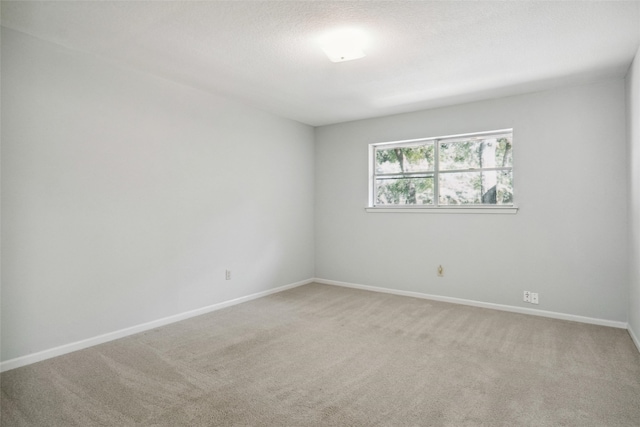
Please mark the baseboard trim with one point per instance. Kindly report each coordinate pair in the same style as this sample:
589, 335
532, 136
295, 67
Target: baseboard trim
634, 338
501, 307
100, 339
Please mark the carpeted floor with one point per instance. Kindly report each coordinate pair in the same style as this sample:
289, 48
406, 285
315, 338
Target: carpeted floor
320, 355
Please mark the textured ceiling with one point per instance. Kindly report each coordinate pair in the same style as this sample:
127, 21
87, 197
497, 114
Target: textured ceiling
421, 54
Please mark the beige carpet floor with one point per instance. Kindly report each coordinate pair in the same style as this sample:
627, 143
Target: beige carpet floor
320, 355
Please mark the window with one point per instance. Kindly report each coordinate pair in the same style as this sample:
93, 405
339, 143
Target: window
461, 171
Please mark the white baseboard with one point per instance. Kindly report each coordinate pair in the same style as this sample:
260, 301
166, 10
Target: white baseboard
79, 345
100, 339
501, 307
634, 337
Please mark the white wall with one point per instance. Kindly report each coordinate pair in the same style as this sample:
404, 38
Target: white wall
567, 242
633, 129
125, 197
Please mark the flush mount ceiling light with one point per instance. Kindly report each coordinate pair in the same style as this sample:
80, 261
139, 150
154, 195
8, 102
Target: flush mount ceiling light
343, 45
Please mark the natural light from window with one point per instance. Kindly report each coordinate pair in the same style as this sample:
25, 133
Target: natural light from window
470, 170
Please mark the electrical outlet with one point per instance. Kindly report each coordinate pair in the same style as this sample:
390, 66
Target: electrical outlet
227, 274
527, 296
534, 298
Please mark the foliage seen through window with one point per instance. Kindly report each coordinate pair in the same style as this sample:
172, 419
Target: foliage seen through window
475, 169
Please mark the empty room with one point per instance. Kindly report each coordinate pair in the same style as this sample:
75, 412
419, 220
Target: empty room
318, 213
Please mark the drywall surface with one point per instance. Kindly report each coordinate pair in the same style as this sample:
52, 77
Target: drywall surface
567, 242
633, 129
126, 197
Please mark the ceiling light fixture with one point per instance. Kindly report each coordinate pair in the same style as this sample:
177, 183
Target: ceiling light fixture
343, 45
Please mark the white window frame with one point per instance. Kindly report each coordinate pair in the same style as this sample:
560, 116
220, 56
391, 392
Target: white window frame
435, 208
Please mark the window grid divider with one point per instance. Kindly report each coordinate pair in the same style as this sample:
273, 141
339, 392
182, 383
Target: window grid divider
436, 168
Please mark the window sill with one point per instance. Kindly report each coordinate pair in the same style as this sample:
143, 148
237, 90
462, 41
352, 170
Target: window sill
448, 210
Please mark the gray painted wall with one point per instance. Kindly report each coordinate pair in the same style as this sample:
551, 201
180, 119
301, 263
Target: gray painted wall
633, 128
568, 242
125, 197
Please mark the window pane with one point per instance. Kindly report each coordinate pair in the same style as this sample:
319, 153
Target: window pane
404, 191
505, 187
405, 159
504, 151
459, 155
469, 188
476, 153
